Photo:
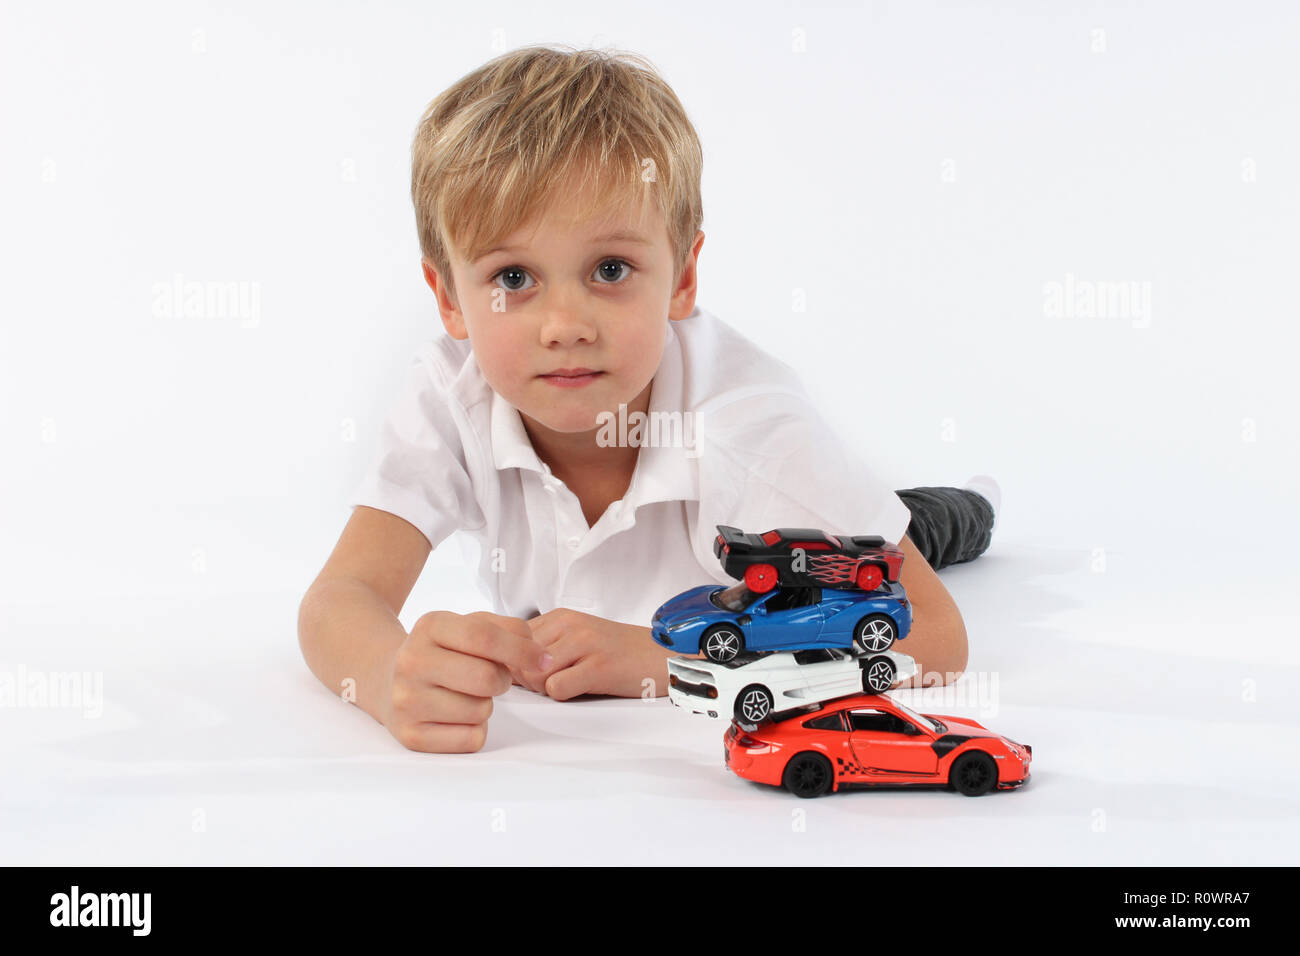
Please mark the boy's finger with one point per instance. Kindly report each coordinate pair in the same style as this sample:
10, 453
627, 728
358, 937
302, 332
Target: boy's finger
565, 652
513, 624
495, 637
475, 676
530, 680
572, 681
519, 627
443, 738
544, 630
443, 705
439, 666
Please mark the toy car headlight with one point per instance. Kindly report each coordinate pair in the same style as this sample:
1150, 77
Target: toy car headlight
690, 621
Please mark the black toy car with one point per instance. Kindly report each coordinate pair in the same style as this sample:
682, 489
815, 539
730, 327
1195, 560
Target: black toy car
807, 557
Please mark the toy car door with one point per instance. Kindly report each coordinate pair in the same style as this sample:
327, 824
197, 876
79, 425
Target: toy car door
791, 617
822, 673
882, 743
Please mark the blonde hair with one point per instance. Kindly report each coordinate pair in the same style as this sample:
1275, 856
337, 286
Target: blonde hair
494, 149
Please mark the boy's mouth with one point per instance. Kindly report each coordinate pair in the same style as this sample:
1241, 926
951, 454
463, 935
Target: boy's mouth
571, 377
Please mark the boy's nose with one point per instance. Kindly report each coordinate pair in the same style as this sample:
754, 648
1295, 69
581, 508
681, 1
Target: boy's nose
567, 327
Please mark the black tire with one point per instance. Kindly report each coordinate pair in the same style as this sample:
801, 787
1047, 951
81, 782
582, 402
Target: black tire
973, 773
722, 644
878, 675
807, 775
875, 633
754, 704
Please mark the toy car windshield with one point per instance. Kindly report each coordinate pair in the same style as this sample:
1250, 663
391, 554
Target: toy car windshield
919, 719
735, 598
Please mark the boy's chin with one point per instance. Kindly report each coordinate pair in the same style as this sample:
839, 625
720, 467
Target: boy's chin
577, 419
571, 423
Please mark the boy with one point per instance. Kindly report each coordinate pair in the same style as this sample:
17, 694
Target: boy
558, 206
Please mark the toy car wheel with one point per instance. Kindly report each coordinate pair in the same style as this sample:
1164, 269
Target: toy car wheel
760, 578
878, 675
875, 633
754, 704
807, 775
869, 577
973, 773
722, 644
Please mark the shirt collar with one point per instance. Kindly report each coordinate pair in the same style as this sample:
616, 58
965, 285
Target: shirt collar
665, 471
511, 447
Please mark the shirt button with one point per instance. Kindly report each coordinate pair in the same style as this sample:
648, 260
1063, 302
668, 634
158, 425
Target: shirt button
573, 542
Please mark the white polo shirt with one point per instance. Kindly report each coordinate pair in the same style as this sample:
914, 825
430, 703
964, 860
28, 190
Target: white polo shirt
753, 452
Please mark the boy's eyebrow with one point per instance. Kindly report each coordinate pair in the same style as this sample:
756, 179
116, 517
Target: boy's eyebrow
622, 235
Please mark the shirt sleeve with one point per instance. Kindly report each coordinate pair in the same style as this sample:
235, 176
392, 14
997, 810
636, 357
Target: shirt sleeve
772, 461
419, 473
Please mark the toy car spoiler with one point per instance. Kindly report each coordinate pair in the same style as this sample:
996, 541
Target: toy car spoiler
734, 539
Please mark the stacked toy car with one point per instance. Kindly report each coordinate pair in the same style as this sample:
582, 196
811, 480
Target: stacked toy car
725, 623
754, 688
806, 556
799, 653
872, 740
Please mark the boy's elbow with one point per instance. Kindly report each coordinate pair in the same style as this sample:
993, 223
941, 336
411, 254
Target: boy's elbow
948, 654
306, 617
311, 613
956, 650
959, 650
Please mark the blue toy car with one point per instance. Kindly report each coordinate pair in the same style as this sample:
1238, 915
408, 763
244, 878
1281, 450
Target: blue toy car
724, 622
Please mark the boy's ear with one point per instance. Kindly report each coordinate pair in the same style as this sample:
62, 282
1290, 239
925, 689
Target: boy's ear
452, 320
682, 302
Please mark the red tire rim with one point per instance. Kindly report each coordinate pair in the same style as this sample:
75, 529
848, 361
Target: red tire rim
869, 577
760, 578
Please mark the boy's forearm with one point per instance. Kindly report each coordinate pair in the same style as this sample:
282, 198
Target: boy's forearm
347, 632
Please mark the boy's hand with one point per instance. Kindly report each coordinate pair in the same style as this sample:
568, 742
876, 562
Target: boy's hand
590, 655
444, 675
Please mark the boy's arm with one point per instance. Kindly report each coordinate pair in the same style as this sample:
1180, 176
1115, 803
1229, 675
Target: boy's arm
347, 622
937, 641
433, 688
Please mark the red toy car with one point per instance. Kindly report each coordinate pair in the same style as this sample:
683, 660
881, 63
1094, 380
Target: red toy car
873, 740
806, 557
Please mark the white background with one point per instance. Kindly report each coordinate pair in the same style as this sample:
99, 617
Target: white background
918, 174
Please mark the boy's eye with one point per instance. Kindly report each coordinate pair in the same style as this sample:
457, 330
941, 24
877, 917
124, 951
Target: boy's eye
611, 272
513, 275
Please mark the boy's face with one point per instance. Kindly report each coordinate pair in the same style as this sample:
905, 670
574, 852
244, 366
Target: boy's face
563, 295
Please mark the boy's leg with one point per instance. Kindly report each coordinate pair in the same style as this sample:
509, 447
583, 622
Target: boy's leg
949, 525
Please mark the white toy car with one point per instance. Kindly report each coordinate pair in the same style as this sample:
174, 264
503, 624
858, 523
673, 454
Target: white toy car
751, 689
